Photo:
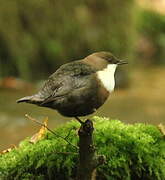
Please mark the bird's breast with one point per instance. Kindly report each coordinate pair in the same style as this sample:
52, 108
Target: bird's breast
106, 76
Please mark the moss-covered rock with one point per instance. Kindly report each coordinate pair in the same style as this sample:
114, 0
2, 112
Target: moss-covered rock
132, 152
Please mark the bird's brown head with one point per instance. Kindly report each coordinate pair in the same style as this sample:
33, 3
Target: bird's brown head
100, 60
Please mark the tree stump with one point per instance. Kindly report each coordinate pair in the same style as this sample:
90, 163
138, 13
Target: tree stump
88, 161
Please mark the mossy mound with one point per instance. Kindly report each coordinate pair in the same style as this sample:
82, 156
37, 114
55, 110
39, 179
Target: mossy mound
132, 152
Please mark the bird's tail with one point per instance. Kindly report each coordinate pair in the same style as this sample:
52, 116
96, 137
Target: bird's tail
34, 99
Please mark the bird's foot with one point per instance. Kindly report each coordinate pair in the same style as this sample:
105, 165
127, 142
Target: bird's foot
79, 120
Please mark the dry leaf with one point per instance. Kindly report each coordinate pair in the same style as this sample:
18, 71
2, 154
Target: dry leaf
38, 136
9, 149
162, 129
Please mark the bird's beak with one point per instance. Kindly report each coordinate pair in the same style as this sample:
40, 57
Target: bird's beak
121, 62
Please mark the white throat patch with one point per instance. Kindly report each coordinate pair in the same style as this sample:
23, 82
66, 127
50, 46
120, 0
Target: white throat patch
106, 76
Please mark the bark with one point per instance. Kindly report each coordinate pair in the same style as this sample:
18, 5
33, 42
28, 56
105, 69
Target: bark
88, 161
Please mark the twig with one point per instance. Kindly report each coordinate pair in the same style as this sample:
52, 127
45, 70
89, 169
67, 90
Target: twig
68, 134
67, 153
42, 124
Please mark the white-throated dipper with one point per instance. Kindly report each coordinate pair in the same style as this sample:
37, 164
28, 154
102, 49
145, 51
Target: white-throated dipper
80, 87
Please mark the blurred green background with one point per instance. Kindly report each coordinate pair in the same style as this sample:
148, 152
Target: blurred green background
37, 36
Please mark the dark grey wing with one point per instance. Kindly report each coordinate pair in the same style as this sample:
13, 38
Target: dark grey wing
61, 88
65, 80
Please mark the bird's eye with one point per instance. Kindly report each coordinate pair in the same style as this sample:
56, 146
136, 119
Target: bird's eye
110, 59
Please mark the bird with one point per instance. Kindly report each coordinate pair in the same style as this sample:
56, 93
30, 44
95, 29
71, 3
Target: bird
80, 87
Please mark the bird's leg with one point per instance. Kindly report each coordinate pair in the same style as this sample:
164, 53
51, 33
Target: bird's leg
79, 120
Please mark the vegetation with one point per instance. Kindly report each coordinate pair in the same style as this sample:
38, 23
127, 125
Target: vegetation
132, 152
151, 27
46, 34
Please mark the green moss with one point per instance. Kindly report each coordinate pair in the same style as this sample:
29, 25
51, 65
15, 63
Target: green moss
132, 152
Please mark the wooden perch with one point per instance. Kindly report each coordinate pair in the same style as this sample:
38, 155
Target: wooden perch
88, 161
